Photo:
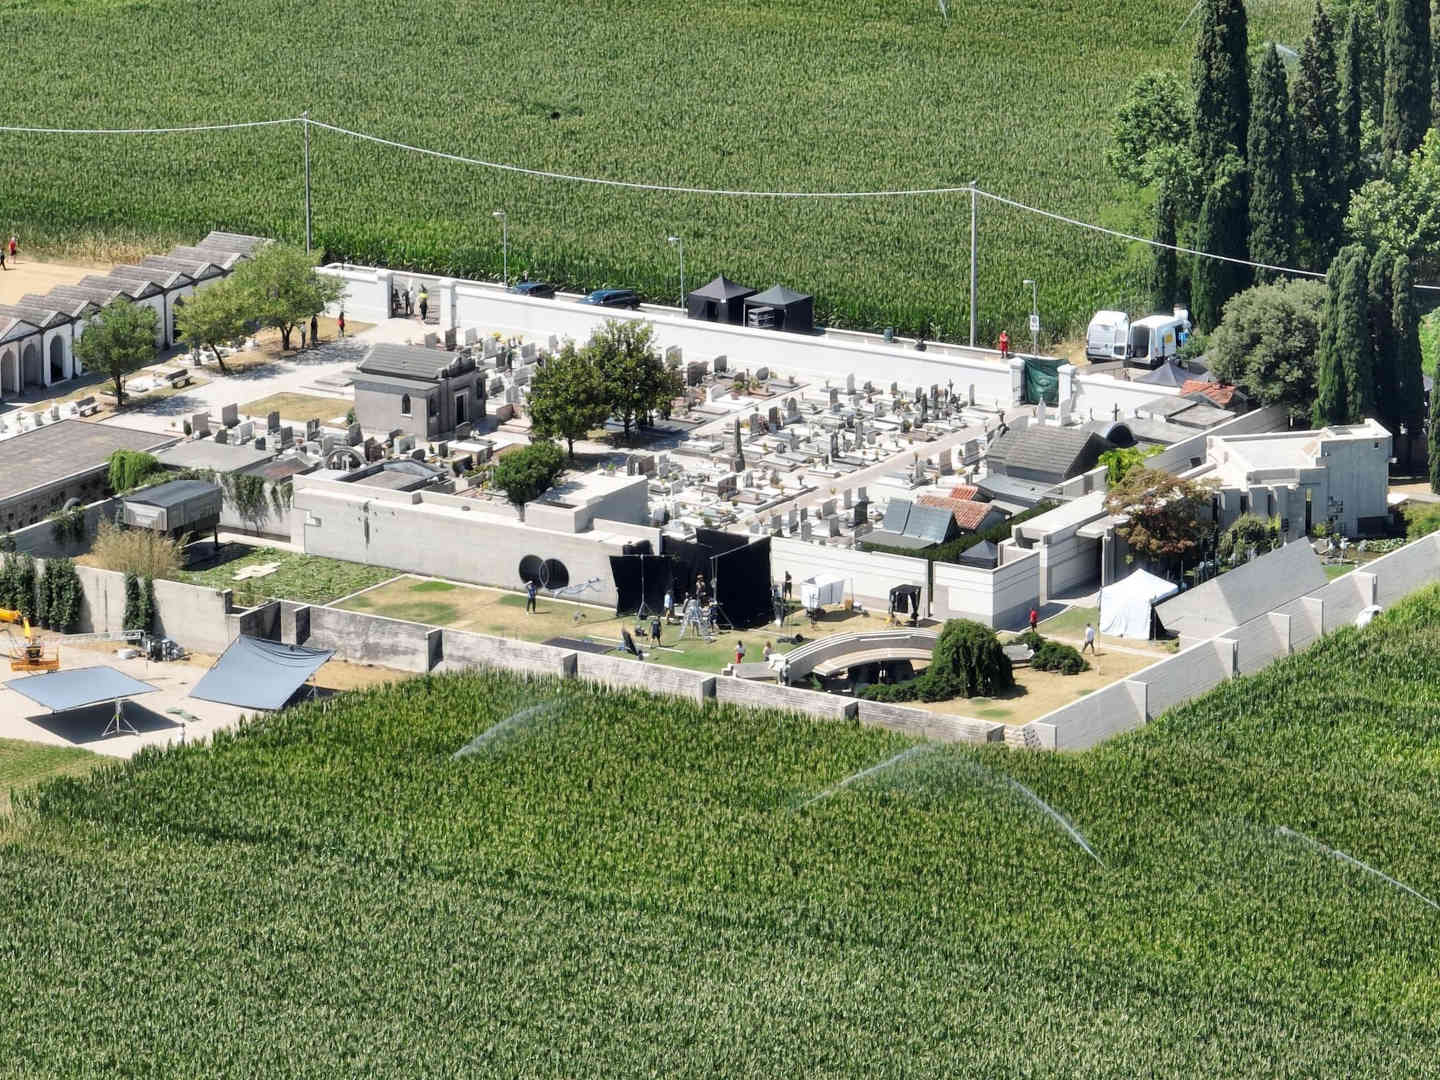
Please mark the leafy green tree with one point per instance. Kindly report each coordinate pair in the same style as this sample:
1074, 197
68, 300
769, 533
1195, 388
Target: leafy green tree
1400, 209
1246, 533
1165, 271
128, 469
567, 397
280, 287
1266, 343
1409, 391
1221, 230
635, 377
527, 473
131, 619
64, 594
1220, 78
1272, 185
968, 661
118, 341
1345, 358
213, 317
7, 542
1165, 517
1315, 110
1407, 77
1122, 460
1433, 440
1352, 99
1155, 114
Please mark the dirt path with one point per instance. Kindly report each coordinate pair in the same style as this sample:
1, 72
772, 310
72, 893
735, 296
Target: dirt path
30, 276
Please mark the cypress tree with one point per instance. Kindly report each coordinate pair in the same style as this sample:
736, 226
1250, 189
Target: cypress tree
1409, 372
1329, 370
1272, 187
1407, 77
1165, 274
1221, 230
1347, 320
1220, 74
1389, 385
1352, 99
1315, 108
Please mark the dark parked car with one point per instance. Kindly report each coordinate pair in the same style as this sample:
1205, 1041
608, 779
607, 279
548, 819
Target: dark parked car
541, 290
613, 298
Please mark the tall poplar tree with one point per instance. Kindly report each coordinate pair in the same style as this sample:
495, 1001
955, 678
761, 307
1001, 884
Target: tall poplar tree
1389, 384
1221, 230
1272, 187
1407, 77
1352, 99
1165, 273
1410, 392
1344, 334
1315, 108
1220, 75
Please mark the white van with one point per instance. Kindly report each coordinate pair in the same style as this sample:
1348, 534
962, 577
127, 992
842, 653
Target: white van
1108, 336
1155, 338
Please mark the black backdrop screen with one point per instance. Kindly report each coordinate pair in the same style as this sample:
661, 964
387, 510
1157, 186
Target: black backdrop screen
640, 577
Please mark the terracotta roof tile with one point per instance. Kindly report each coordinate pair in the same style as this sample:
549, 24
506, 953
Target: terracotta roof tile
1219, 393
968, 514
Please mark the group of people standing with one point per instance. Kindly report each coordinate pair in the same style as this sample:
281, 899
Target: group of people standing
407, 300
8, 253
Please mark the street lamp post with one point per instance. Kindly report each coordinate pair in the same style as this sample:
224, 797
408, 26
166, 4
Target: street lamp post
679, 243
1034, 318
499, 215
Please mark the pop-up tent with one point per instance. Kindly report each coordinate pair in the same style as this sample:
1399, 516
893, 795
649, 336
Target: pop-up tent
721, 300
905, 599
1126, 606
779, 308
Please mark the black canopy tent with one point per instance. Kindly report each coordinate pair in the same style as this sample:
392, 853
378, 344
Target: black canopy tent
721, 300
779, 308
905, 600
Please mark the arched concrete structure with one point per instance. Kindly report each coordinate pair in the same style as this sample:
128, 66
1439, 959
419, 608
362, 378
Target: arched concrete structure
32, 363
9, 370
839, 651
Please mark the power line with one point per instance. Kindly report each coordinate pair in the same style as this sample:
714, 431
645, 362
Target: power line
674, 189
147, 131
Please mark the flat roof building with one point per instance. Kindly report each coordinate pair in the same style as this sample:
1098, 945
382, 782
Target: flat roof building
41, 470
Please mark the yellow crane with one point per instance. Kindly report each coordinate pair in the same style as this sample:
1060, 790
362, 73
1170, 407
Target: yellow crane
31, 656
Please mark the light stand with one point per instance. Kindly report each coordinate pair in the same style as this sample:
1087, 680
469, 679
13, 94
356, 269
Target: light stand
118, 725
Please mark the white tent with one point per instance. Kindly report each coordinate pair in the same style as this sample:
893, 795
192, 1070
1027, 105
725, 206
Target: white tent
822, 589
1125, 606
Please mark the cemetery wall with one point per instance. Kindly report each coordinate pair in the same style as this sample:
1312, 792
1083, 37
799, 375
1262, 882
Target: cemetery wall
623, 674
872, 574
461, 650
441, 539
374, 639
37, 539
926, 724
999, 597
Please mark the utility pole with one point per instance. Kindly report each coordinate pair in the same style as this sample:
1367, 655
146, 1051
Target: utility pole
305, 120
972, 262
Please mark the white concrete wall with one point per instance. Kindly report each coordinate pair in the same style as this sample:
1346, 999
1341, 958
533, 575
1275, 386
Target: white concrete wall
999, 597
871, 575
397, 530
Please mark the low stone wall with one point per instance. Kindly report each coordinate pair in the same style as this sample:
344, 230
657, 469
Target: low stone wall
38, 539
193, 615
625, 674
730, 690
927, 724
462, 650
1094, 718
373, 639
262, 621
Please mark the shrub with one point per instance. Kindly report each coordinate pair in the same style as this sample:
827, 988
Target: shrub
1057, 656
68, 526
527, 473
968, 661
61, 591
136, 551
131, 620
1246, 532
1421, 519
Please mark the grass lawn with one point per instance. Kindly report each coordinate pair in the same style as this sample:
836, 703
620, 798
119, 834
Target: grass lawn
1070, 621
299, 407
495, 611
310, 579
24, 763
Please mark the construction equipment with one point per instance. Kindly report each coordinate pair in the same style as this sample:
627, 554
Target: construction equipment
32, 655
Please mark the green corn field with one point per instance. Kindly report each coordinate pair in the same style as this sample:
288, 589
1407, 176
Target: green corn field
794, 95
481, 875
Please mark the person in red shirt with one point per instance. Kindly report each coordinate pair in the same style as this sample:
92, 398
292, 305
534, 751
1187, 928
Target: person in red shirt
1004, 345
739, 652
1034, 619
14, 247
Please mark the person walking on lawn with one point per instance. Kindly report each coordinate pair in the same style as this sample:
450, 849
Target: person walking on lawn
424, 304
1089, 639
13, 248
530, 598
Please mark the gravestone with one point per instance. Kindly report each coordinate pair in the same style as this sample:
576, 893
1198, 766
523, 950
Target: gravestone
792, 519
720, 365
805, 530
946, 465
200, 423
834, 445
470, 335
287, 436
417, 454
850, 382
776, 525
220, 436
312, 430
804, 513
860, 495
834, 399
792, 409
827, 508
757, 424
245, 432
462, 431
260, 442
762, 373
832, 525
694, 373
353, 435
272, 421
774, 417
230, 415
859, 513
